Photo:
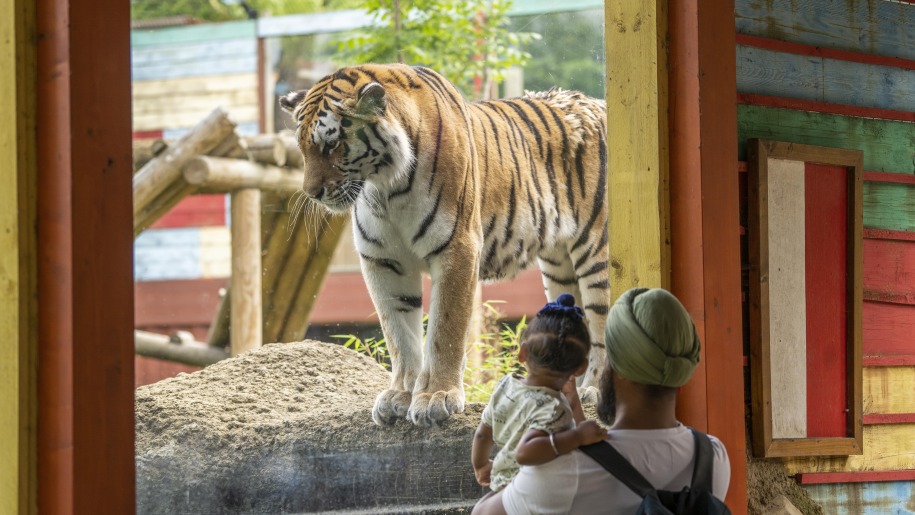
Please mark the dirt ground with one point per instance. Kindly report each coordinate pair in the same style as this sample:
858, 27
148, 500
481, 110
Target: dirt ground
285, 406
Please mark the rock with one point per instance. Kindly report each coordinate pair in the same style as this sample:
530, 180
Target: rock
288, 428
782, 506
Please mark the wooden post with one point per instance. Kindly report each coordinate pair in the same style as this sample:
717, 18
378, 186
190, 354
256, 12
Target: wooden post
18, 261
705, 222
266, 148
637, 144
85, 259
218, 335
246, 330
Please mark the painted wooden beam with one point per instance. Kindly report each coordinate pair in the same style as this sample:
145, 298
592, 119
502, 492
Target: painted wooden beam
704, 214
888, 390
637, 139
827, 107
888, 145
85, 384
820, 478
880, 27
778, 45
886, 447
18, 264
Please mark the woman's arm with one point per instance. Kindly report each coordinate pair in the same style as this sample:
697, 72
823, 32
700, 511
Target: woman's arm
480, 451
536, 447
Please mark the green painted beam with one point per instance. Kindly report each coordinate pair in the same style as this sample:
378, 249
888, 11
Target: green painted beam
889, 206
889, 146
194, 33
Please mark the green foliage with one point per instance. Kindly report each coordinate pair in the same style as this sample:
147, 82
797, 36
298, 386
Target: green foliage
461, 39
498, 352
570, 55
500, 357
375, 349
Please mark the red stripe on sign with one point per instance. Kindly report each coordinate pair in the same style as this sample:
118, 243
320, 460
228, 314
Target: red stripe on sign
195, 211
826, 205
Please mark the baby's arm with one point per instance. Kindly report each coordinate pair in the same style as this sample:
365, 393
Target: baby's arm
479, 453
535, 447
570, 390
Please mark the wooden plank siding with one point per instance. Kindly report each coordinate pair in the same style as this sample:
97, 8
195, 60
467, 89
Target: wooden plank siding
873, 26
805, 77
842, 74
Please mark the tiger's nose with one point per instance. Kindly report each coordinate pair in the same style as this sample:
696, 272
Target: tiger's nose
316, 193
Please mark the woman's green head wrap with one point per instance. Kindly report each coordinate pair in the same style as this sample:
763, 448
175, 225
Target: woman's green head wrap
651, 338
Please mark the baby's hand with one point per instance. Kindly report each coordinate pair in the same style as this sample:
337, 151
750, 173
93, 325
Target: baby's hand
483, 473
590, 432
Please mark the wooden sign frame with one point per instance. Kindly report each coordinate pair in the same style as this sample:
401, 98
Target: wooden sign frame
759, 152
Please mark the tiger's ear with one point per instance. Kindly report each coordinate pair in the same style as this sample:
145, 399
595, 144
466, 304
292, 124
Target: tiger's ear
371, 101
292, 99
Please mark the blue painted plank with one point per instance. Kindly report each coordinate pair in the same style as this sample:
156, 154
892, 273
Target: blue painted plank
167, 254
767, 72
194, 60
867, 26
889, 498
194, 33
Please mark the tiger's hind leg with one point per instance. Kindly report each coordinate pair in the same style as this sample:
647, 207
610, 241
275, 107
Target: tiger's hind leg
397, 295
590, 261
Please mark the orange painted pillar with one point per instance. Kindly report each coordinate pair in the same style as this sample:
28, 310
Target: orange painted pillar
85, 446
705, 241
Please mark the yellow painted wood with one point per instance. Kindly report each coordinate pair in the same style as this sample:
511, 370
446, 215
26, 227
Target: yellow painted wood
17, 265
889, 390
886, 447
637, 143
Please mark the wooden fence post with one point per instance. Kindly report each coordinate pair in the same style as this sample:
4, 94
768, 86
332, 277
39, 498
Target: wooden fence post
246, 315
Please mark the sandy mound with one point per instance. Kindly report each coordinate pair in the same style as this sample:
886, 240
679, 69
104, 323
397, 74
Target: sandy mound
287, 428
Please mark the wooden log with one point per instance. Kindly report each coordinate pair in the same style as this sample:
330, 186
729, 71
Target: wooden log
266, 148
287, 256
313, 279
144, 151
161, 204
246, 310
232, 147
294, 158
161, 172
218, 335
221, 175
160, 346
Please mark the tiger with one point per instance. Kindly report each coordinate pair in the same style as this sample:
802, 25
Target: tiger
462, 192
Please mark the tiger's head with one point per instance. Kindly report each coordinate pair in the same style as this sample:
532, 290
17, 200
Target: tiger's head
348, 138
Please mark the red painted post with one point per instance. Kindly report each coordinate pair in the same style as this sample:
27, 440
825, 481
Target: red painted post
85, 266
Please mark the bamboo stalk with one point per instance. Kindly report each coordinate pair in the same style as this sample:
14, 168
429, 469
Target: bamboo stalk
159, 173
246, 310
160, 346
221, 175
315, 273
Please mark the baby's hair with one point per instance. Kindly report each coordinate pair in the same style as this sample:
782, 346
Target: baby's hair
557, 338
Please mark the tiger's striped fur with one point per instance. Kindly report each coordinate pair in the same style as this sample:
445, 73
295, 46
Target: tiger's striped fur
459, 191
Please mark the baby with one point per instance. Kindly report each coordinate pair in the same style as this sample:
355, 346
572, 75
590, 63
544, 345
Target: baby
529, 417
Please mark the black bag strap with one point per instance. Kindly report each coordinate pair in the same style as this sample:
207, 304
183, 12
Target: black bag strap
619, 467
702, 468
609, 458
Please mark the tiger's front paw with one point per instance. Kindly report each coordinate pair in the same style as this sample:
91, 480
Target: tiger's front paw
430, 409
390, 405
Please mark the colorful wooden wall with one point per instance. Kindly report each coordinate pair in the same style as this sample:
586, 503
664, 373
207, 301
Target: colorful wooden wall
842, 74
